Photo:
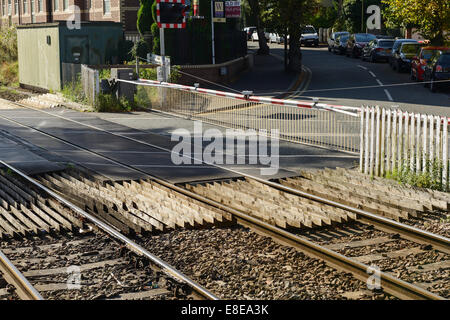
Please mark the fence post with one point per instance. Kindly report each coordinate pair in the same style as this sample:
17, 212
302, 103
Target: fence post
445, 153
400, 140
361, 142
388, 141
411, 142
431, 138
418, 155
383, 141
366, 138
377, 143
424, 145
372, 137
394, 140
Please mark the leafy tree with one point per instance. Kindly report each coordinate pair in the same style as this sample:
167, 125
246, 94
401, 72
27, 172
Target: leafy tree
431, 17
324, 17
144, 16
352, 11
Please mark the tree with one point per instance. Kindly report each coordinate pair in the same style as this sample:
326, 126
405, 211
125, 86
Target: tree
352, 11
255, 10
431, 17
144, 17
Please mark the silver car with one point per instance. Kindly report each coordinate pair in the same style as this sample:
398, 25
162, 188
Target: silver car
275, 37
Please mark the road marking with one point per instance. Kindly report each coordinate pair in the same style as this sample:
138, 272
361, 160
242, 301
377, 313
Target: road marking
362, 67
388, 95
379, 82
372, 74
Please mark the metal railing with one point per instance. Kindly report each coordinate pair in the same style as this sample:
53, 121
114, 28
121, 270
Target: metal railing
333, 127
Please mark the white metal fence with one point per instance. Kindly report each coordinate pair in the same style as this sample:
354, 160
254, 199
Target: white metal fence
316, 124
90, 81
392, 140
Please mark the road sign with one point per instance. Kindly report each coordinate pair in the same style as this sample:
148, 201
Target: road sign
219, 11
171, 14
233, 9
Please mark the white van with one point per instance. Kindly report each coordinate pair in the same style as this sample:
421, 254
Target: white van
309, 36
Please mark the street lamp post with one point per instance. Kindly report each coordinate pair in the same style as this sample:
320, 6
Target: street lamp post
362, 15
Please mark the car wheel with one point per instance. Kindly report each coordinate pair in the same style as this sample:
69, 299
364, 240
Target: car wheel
412, 76
372, 58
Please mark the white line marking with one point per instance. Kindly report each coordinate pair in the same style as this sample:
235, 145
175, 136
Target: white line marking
379, 82
372, 74
362, 67
388, 95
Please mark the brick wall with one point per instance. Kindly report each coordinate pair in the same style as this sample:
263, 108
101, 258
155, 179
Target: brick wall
213, 72
91, 10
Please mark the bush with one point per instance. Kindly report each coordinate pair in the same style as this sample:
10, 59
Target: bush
74, 91
110, 103
9, 73
430, 179
144, 16
8, 45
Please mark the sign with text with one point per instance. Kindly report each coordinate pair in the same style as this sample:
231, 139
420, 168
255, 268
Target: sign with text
219, 11
233, 9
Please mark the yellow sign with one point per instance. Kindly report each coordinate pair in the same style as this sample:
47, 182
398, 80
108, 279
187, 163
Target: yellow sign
219, 20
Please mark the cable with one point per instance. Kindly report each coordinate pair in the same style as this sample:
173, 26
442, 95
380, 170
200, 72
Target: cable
353, 88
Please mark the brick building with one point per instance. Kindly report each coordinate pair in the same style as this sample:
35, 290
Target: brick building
14, 12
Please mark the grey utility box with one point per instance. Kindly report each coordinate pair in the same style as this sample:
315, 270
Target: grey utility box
124, 89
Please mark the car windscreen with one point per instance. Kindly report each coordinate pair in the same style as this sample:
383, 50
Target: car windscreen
444, 59
308, 30
343, 39
427, 54
364, 37
410, 48
386, 44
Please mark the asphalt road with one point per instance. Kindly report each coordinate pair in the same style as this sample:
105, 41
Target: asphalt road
346, 81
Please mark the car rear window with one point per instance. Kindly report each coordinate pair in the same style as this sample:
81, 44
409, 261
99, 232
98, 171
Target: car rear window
308, 30
410, 48
343, 38
386, 44
444, 59
364, 37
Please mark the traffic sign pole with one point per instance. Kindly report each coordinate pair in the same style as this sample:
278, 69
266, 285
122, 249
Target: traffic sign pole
163, 53
212, 33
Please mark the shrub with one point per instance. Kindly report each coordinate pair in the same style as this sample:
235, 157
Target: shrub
74, 91
9, 73
110, 103
8, 44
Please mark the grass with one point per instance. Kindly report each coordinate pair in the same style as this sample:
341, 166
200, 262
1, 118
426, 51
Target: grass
74, 91
431, 178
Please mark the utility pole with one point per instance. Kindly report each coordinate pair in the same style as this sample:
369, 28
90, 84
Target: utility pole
212, 33
163, 53
362, 15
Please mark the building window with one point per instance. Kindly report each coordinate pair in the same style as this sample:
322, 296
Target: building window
32, 6
56, 5
88, 4
4, 7
40, 5
9, 7
16, 7
106, 6
25, 6
65, 4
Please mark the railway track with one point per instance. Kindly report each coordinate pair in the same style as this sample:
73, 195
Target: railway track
279, 226
58, 242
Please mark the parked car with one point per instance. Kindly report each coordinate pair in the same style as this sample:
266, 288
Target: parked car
275, 37
377, 49
401, 58
309, 36
438, 70
340, 44
249, 32
396, 47
382, 36
256, 38
356, 42
332, 39
419, 62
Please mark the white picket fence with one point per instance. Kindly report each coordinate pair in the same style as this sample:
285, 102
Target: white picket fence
392, 139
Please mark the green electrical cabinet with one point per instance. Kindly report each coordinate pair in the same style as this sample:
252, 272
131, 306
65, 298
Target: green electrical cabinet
44, 48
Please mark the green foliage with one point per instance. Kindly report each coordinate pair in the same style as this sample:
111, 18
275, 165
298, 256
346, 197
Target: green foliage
324, 17
430, 178
104, 74
140, 49
352, 11
74, 91
110, 103
155, 31
9, 73
8, 44
144, 16
431, 17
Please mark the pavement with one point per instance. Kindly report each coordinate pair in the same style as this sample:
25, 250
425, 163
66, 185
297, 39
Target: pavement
149, 131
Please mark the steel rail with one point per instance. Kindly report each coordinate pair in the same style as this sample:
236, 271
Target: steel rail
116, 234
392, 285
409, 232
12, 275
